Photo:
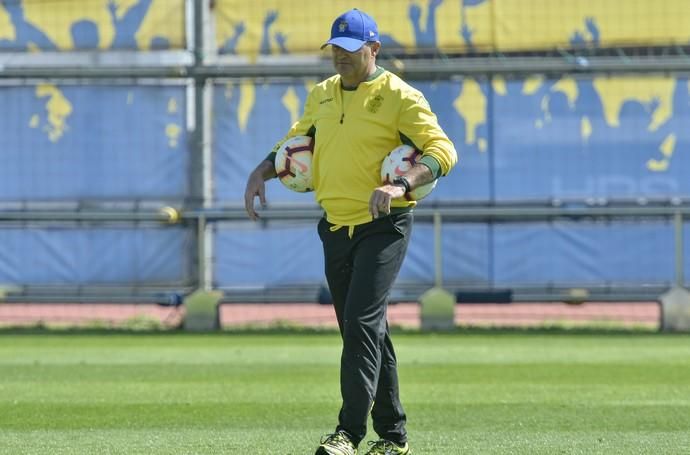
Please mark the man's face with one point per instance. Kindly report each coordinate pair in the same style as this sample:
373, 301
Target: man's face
354, 64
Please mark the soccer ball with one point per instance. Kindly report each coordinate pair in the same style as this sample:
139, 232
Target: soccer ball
293, 163
397, 163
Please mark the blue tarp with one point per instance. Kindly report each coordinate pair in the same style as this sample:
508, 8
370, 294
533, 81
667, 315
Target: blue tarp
563, 253
248, 255
77, 256
594, 253
74, 142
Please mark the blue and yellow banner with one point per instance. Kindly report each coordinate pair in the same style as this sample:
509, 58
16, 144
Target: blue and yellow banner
38, 25
299, 27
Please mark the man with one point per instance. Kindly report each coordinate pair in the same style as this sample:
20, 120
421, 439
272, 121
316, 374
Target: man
357, 117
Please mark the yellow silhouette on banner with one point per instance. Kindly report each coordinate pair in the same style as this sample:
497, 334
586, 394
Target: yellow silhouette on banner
532, 84
58, 110
656, 93
247, 100
585, 128
7, 31
666, 148
471, 105
93, 24
568, 87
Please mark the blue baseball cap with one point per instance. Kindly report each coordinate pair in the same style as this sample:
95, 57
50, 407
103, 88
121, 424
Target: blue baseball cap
352, 29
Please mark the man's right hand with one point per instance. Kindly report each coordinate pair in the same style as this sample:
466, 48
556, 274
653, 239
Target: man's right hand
256, 187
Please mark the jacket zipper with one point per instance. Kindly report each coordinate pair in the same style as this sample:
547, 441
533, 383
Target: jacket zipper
342, 117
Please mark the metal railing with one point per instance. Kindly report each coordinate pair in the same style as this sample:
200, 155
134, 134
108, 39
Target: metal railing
460, 214
200, 219
316, 67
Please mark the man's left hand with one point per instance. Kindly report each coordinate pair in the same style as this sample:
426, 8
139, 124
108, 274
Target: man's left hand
380, 201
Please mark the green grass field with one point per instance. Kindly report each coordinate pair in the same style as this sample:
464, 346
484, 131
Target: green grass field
465, 393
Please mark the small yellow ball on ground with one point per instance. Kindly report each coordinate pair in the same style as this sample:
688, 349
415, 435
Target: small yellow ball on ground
172, 214
577, 296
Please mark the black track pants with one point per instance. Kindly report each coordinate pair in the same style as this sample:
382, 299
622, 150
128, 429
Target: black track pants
360, 271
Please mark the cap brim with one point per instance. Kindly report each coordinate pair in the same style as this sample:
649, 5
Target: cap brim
349, 44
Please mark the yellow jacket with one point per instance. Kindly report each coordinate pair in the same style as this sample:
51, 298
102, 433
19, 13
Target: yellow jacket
352, 141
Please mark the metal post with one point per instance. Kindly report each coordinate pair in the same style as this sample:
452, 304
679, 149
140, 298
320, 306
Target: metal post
197, 161
202, 279
680, 266
438, 256
200, 155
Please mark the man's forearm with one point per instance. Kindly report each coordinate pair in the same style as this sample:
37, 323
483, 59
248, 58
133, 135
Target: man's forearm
419, 175
266, 170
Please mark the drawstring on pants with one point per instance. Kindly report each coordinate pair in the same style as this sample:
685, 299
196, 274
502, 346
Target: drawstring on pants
350, 229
